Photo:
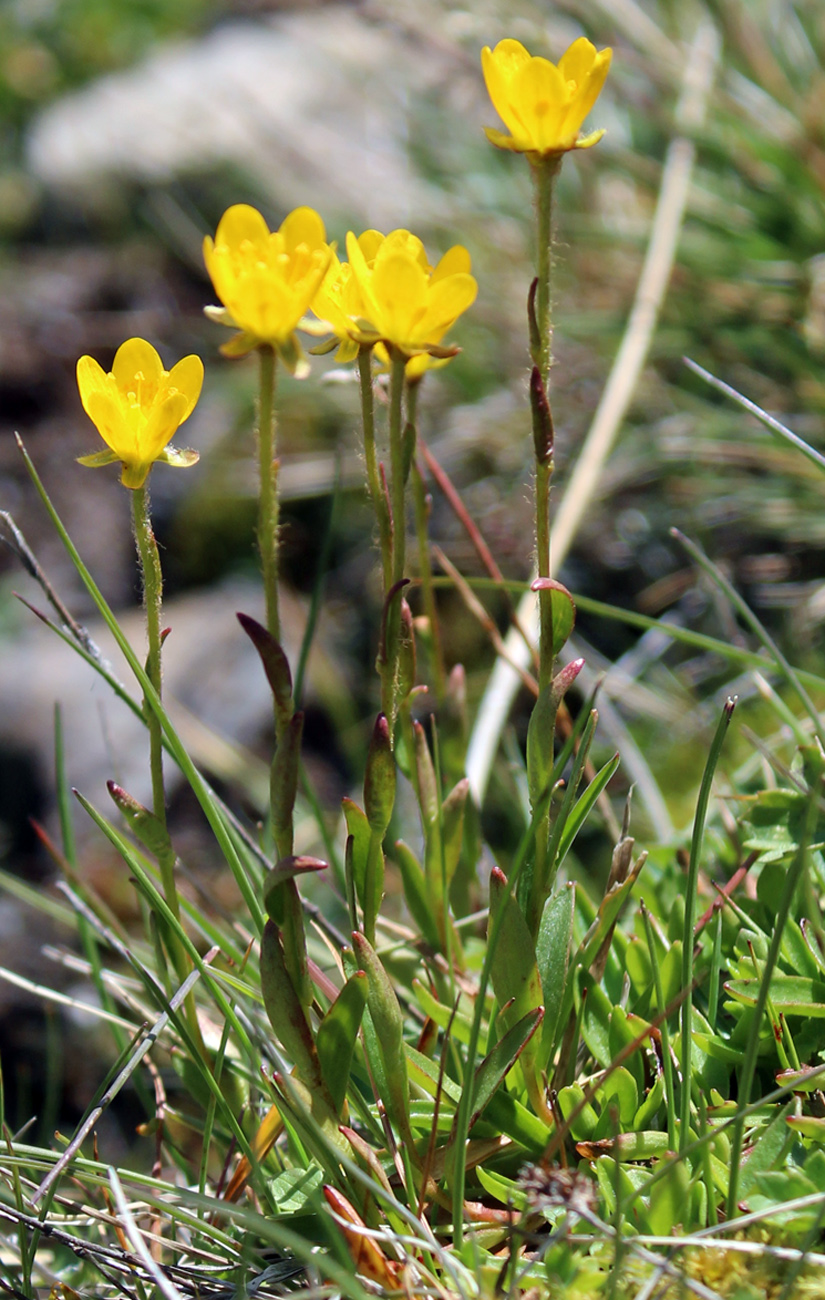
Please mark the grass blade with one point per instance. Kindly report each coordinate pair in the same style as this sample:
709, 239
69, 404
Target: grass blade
690, 913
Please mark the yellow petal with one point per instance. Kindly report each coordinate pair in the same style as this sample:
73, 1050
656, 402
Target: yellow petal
303, 226
91, 378
107, 416
361, 271
409, 245
591, 88
369, 243
241, 223
399, 287
138, 369
454, 260
577, 61
447, 300
162, 425
268, 307
187, 378
501, 65
542, 98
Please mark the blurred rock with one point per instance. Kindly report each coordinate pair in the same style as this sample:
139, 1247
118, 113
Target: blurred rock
284, 98
214, 689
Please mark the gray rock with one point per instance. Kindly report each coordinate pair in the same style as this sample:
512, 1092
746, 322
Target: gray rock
313, 103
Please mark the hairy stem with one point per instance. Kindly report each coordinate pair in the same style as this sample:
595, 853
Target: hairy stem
152, 593
376, 490
268, 505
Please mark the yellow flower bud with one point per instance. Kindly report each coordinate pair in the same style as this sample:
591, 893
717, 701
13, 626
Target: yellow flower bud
138, 407
266, 279
542, 104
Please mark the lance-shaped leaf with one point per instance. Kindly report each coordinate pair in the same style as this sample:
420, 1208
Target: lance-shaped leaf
503, 1110
452, 827
425, 776
367, 1158
577, 1113
337, 1034
415, 893
359, 829
407, 666
286, 869
670, 1200
490, 1074
596, 1018
618, 1094
609, 909
564, 616
774, 824
283, 781
459, 1024
453, 728
391, 599
276, 667
515, 978
285, 1011
553, 960
794, 995
266, 1135
543, 432
379, 778
144, 825
388, 1023
514, 971
626, 1146
808, 1078
578, 815
367, 1256
532, 322
310, 1110
542, 728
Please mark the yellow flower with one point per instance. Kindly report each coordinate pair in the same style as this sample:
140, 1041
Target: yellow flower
138, 407
266, 279
407, 304
544, 105
339, 303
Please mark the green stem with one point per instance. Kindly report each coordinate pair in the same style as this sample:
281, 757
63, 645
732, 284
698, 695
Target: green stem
152, 594
544, 475
544, 176
398, 484
268, 505
690, 917
422, 518
152, 575
376, 490
398, 501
